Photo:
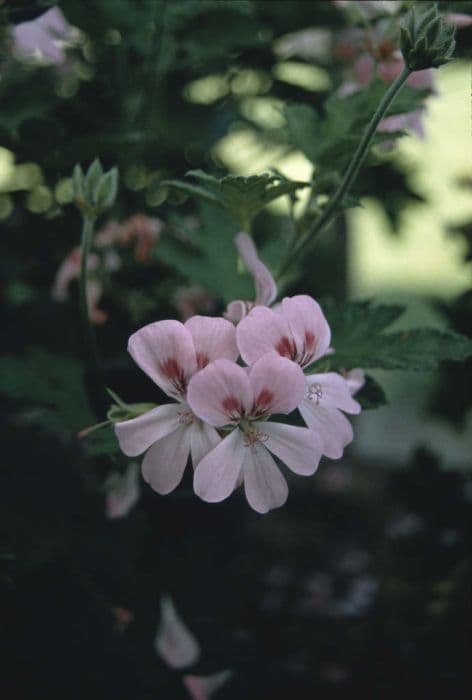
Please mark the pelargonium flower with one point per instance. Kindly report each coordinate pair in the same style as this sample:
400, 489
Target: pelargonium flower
225, 394
69, 271
171, 353
44, 38
266, 289
299, 331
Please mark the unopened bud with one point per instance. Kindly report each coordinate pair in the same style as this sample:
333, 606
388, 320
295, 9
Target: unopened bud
426, 40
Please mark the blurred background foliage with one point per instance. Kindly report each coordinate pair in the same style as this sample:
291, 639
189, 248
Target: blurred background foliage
360, 583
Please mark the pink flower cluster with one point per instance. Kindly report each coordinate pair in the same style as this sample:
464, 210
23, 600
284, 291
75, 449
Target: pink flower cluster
221, 408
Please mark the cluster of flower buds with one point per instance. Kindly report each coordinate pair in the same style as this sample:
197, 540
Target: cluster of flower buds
221, 407
94, 191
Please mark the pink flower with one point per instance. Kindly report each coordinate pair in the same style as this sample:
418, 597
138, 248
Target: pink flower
174, 642
144, 231
299, 331
224, 394
190, 300
44, 38
266, 289
68, 271
171, 353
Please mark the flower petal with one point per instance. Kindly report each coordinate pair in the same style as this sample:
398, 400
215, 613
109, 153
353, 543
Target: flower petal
331, 426
298, 448
216, 476
203, 687
122, 492
266, 289
165, 351
355, 379
236, 310
330, 389
309, 327
137, 434
212, 338
220, 393
164, 463
278, 385
174, 642
203, 438
264, 485
262, 331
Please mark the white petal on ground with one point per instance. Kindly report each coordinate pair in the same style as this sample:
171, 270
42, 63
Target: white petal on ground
204, 687
264, 485
122, 492
332, 427
137, 434
203, 438
330, 389
164, 463
298, 448
220, 393
174, 642
218, 473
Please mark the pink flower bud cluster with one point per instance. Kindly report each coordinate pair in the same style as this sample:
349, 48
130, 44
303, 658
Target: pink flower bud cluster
221, 409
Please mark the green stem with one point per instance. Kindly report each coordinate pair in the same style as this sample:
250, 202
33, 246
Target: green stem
351, 173
89, 335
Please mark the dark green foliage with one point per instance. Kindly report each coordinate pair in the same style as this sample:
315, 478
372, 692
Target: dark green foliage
359, 340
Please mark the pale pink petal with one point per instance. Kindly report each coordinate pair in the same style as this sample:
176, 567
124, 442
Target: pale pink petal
355, 380
212, 338
217, 474
165, 351
266, 289
298, 448
309, 327
237, 310
364, 69
220, 393
262, 331
422, 79
137, 434
164, 463
331, 426
278, 385
330, 389
174, 642
390, 69
459, 19
122, 492
203, 438
264, 485
204, 687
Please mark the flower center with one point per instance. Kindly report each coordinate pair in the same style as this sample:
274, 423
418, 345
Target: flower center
315, 393
253, 435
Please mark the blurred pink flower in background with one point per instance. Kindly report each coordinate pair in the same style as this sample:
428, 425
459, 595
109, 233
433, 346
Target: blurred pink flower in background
174, 642
192, 300
45, 38
68, 272
204, 687
144, 232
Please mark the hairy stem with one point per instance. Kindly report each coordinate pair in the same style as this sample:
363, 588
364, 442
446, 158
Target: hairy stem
350, 175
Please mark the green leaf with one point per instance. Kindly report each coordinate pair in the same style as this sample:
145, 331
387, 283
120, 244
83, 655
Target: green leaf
242, 197
51, 381
359, 340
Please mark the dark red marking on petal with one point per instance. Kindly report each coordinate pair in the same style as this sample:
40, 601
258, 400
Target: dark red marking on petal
263, 402
202, 360
308, 350
175, 374
286, 347
232, 407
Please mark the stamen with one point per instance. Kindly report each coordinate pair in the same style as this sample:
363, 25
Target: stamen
253, 436
186, 417
315, 393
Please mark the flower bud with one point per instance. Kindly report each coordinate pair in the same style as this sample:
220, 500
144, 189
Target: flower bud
94, 191
426, 40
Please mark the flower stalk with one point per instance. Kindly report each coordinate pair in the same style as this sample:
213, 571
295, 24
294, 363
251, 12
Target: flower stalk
350, 175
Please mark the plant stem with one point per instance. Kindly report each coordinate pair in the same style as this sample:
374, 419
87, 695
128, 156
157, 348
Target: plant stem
89, 336
350, 175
